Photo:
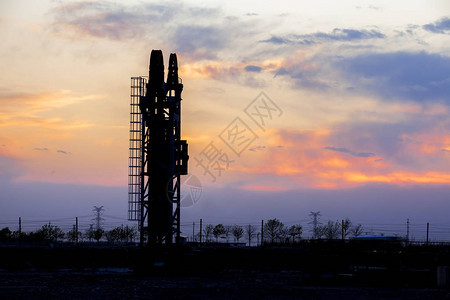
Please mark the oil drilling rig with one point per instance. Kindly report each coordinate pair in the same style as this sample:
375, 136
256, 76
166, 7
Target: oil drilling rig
158, 156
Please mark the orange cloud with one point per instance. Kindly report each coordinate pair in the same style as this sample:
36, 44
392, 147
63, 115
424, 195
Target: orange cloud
23, 110
401, 178
220, 70
427, 142
304, 159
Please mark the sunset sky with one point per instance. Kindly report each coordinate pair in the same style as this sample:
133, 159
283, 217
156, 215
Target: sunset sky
359, 91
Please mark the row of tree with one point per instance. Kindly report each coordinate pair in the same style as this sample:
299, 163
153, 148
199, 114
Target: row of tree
335, 230
274, 231
225, 231
53, 233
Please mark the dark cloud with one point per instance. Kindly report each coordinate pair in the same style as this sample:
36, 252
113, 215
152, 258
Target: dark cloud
345, 150
281, 71
338, 34
412, 76
345, 35
251, 68
304, 78
440, 26
305, 74
257, 148
277, 40
40, 149
109, 20
63, 152
117, 21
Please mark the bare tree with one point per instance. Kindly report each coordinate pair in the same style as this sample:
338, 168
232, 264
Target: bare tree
73, 235
295, 231
98, 234
50, 232
90, 232
207, 232
332, 230
346, 225
130, 233
319, 231
227, 233
238, 232
113, 235
6, 234
250, 232
218, 230
273, 230
356, 230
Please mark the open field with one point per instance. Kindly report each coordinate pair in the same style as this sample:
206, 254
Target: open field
330, 270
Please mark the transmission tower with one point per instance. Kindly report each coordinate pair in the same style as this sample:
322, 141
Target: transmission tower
98, 211
158, 156
315, 222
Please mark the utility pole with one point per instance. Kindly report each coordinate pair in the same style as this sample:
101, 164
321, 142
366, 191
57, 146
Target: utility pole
98, 213
428, 230
262, 232
407, 230
201, 228
315, 222
193, 231
342, 229
76, 231
20, 231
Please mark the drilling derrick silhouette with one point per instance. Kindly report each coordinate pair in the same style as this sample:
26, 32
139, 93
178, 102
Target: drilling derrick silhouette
158, 156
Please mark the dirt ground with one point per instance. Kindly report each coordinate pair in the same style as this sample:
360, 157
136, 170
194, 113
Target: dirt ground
123, 284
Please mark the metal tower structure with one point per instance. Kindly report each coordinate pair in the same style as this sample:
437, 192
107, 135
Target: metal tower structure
158, 156
315, 222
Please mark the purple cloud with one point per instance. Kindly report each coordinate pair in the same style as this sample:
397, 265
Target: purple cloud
338, 34
345, 150
251, 68
405, 75
440, 26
